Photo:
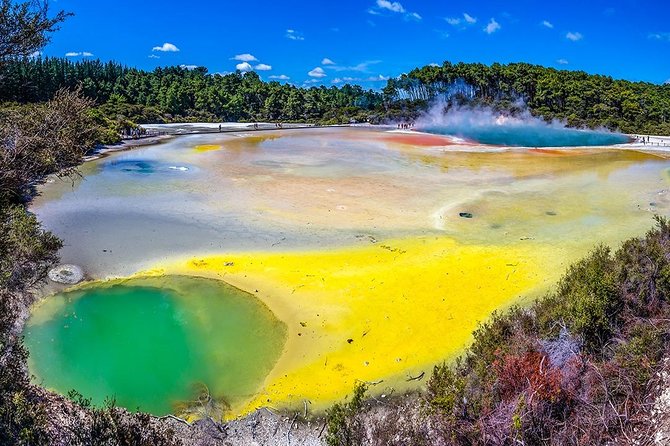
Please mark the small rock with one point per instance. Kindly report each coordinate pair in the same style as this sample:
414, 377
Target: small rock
67, 274
465, 214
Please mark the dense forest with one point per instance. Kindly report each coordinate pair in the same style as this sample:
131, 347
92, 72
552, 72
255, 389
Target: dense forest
126, 96
578, 98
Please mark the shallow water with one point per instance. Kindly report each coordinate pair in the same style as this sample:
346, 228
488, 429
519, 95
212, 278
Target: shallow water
153, 344
352, 234
529, 135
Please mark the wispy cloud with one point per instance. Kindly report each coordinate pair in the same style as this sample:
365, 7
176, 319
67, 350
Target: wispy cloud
574, 36
294, 35
246, 57
547, 24
153, 56
562, 61
166, 48
263, 67
660, 36
492, 26
443, 34
244, 66
363, 67
414, 16
433, 64
327, 61
466, 19
188, 67
78, 54
378, 78
281, 77
317, 72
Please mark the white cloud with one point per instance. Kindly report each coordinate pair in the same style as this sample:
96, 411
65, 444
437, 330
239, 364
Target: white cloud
263, 67
317, 72
377, 78
281, 77
562, 61
294, 35
391, 6
362, 67
244, 66
574, 36
492, 27
188, 67
78, 54
166, 48
397, 7
246, 57
35, 54
466, 20
433, 64
548, 24
327, 61
153, 56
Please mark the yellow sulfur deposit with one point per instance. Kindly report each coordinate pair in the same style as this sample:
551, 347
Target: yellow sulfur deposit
385, 311
207, 148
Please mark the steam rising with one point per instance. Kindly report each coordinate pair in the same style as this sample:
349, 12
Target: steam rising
485, 125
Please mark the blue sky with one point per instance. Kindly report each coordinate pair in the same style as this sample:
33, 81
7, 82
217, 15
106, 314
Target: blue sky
367, 41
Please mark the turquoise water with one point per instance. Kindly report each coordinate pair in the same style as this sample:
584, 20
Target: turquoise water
155, 344
530, 135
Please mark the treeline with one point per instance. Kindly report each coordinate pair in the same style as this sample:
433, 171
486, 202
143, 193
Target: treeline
181, 94
580, 99
582, 366
128, 95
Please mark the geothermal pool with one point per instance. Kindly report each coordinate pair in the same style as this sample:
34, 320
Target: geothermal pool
155, 345
339, 255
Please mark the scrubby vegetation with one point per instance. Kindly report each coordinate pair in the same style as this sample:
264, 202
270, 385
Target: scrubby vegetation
578, 367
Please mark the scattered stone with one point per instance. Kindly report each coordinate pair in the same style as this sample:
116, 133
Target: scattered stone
465, 214
551, 213
67, 274
349, 341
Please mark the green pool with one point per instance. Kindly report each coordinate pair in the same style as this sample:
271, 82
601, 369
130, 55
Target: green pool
155, 344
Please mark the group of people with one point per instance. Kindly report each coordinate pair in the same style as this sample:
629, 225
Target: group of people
647, 140
405, 125
278, 125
